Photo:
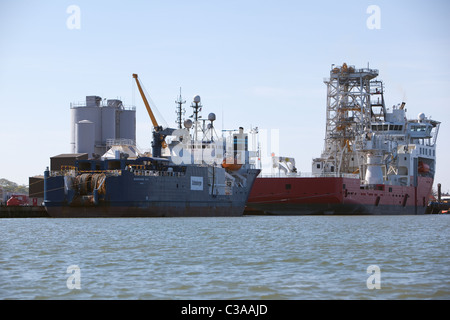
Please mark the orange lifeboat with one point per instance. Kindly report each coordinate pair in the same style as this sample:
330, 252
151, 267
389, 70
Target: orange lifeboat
423, 167
231, 165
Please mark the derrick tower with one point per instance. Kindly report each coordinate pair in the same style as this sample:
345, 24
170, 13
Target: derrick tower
348, 117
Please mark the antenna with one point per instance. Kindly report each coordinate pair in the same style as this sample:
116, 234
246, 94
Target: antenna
196, 105
180, 111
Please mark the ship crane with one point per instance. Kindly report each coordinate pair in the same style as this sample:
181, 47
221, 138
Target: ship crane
159, 134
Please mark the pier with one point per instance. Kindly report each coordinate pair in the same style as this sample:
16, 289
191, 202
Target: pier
23, 212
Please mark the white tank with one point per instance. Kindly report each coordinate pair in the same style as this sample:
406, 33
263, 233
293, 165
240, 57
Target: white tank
85, 137
92, 114
111, 121
108, 124
127, 124
72, 130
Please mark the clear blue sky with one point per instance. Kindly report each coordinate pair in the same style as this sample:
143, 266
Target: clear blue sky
260, 63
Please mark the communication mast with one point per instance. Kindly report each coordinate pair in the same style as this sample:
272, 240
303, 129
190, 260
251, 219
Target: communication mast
197, 107
180, 110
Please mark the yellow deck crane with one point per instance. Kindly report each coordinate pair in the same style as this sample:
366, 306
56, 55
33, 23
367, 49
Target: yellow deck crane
158, 133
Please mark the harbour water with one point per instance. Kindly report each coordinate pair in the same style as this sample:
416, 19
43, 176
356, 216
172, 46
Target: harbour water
250, 257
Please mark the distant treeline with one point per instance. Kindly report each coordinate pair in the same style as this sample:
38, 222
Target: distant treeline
9, 186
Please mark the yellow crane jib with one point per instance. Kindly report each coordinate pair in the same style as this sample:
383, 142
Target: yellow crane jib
147, 105
158, 133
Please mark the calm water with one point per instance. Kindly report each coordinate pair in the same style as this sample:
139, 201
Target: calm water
226, 258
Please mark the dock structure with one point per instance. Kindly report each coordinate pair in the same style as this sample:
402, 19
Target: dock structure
23, 212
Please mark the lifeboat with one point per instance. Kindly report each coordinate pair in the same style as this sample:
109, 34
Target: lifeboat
423, 167
231, 165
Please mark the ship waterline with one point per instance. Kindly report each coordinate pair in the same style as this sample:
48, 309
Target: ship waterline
187, 174
374, 160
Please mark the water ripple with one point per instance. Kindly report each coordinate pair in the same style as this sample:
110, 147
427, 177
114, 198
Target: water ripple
226, 258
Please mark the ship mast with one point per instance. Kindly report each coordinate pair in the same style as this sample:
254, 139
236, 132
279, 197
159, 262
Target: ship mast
197, 106
180, 110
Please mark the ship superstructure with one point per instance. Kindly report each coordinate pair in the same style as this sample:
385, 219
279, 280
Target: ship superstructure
374, 161
187, 174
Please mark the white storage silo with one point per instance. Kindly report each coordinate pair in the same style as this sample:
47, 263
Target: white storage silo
108, 124
85, 137
127, 124
108, 121
92, 112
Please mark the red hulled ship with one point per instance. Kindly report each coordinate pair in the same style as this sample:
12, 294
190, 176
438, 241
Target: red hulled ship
374, 161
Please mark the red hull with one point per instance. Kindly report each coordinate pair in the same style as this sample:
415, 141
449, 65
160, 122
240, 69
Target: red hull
298, 196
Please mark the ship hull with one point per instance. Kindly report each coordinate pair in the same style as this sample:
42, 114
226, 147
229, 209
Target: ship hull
339, 196
153, 210
193, 192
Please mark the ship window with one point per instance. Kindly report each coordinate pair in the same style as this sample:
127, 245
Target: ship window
318, 166
332, 168
400, 128
390, 189
385, 127
288, 186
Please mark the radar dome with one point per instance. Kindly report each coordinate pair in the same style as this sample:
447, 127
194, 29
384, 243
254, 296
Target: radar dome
211, 116
188, 123
197, 99
421, 116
